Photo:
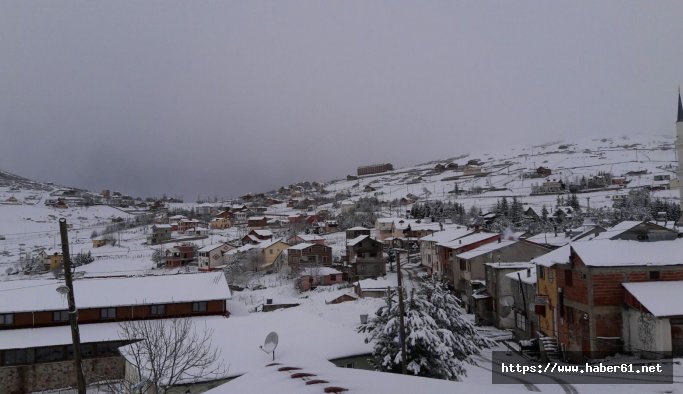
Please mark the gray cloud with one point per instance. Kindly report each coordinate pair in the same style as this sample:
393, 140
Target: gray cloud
222, 98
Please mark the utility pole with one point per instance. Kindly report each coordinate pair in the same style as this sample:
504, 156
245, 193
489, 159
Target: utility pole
73, 312
401, 311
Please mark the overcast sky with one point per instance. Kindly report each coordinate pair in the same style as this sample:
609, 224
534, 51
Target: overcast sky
219, 98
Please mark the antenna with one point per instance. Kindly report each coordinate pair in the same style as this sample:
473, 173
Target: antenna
270, 343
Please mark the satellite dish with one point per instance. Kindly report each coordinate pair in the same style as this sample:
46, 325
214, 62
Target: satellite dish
270, 343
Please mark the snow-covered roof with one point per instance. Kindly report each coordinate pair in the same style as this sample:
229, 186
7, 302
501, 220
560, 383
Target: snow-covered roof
238, 338
618, 229
511, 265
320, 271
466, 240
379, 283
528, 276
447, 235
301, 246
161, 226
358, 228
265, 379
41, 294
209, 248
256, 218
484, 249
557, 256
354, 241
310, 237
268, 243
263, 233
555, 239
608, 253
656, 296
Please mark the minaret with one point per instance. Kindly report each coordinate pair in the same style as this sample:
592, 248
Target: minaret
679, 149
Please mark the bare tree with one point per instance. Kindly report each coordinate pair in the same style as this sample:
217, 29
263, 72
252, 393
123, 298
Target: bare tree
165, 353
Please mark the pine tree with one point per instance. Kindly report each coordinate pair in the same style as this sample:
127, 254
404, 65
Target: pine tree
439, 340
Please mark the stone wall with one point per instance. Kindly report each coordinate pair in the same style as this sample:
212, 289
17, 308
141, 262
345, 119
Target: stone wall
46, 376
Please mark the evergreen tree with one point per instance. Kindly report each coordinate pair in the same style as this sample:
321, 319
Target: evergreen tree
439, 340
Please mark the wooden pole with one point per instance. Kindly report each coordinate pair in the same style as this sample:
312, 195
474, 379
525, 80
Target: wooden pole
73, 312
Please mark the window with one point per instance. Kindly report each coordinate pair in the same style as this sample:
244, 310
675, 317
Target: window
333, 277
349, 365
6, 319
520, 321
463, 265
60, 316
19, 356
158, 310
541, 272
199, 307
108, 313
568, 278
47, 354
654, 275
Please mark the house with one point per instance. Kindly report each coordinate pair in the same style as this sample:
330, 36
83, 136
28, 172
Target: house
447, 251
224, 214
160, 233
365, 257
590, 295
548, 187
639, 231
543, 171
384, 228
220, 223
397, 227
179, 255
256, 236
374, 169
186, 224
52, 259
547, 302
307, 254
36, 336
652, 326
257, 222
312, 277
471, 169
354, 232
321, 340
524, 297
271, 253
471, 268
309, 238
99, 242
428, 250
374, 288
211, 256
491, 300
347, 206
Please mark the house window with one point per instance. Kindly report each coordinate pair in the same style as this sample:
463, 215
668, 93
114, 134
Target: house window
541, 272
198, 307
520, 321
349, 365
654, 275
19, 356
108, 313
158, 310
60, 316
6, 319
463, 265
47, 354
333, 277
568, 278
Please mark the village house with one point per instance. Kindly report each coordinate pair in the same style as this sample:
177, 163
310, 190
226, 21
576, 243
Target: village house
396, 228
98, 242
257, 222
365, 257
374, 288
374, 169
35, 353
307, 254
356, 231
272, 254
428, 249
471, 169
256, 236
653, 328
492, 298
179, 255
447, 250
212, 256
220, 223
347, 206
587, 307
160, 233
186, 224
470, 271
312, 277
309, 238
639, 231
523, 309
